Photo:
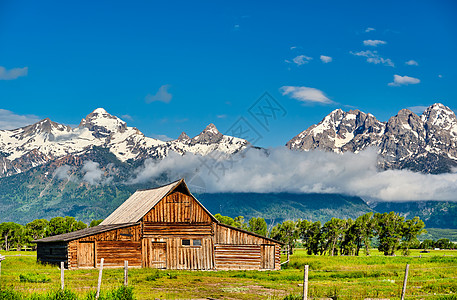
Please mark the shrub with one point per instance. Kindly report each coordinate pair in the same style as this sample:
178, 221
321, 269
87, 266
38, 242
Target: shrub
34, 277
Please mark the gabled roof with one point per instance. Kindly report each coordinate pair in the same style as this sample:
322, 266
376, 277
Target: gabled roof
142, 201
82, 233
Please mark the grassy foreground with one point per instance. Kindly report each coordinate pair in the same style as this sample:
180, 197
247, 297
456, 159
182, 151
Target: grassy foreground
432, 276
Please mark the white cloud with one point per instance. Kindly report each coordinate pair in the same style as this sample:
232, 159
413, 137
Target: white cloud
283, 170
10, 120
236, 27
374, 58
440, 76
305, 94
412, 63
326, 59
302, 59
369, 29
419, 109
374, 43
12, 73
293, 47
62, 172
162, 95
221, 116
403, 80
93, 173
127, 117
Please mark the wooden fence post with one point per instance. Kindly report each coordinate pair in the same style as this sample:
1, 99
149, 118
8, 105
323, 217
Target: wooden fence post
305, 283
126, 272
62, 278
404, 283
1, 258
99, 278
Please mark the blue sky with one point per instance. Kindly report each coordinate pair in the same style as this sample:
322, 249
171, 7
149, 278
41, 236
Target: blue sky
172, 66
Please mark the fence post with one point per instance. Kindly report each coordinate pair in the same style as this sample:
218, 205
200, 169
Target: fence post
1, 258
404, 283
62, 278
126, 272
99, 278
305, 283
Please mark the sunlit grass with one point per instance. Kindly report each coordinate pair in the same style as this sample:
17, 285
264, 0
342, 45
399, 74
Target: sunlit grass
431, 276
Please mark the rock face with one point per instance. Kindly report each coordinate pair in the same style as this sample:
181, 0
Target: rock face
425, 143
44, 141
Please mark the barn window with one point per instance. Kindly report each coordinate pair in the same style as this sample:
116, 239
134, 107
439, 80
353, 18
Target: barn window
197, 242
185, 242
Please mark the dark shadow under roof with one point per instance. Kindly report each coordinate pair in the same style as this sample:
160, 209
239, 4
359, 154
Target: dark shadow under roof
66, 237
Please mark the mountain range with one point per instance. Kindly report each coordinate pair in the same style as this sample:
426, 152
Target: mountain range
425, 143
49, 169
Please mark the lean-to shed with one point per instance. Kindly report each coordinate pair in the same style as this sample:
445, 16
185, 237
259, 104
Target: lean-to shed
165, 228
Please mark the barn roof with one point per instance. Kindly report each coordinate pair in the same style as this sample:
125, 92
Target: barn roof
142, 201
82, 233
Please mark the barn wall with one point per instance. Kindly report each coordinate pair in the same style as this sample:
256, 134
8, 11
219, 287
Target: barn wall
237, 257
227, 235
190, 257
178, 208
114, 246
52, 253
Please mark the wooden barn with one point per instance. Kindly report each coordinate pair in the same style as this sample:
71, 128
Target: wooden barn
163, 228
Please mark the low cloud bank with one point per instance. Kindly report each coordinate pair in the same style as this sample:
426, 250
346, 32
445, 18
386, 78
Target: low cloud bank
283, 170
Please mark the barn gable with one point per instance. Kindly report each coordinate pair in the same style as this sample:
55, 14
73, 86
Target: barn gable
169, 203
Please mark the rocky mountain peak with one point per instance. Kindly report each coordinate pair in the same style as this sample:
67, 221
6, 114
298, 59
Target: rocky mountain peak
102, 123
45, 126
183, 137
210, 135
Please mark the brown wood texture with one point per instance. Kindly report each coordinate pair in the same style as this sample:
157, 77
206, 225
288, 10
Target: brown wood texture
181, 257
154, 254
267, 257
131, 233
115, 252
166, 229
238, 257
226, 235
178, 208
86, 254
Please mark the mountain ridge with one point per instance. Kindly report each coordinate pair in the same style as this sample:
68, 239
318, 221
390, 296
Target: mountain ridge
426, 143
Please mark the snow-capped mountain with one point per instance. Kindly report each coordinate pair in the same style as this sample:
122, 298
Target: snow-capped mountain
425, 143
44, 141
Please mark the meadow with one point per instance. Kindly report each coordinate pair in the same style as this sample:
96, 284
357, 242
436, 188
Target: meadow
431, 276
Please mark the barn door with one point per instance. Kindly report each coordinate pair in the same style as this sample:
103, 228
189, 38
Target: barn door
268, 257
86, 254
154, 254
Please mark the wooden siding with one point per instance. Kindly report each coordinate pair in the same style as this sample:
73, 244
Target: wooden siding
114, 246
115, 252
237, 257
165, 229
227, 235
52, 253
178, 208
181, 257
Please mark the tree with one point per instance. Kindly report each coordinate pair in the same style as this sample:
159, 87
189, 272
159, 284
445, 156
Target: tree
427, 244
36, 229
258, 225
285, 232
12, 235
60, 225
411, 230
94, 223
310, 234
331, 233
389, 227
443, 244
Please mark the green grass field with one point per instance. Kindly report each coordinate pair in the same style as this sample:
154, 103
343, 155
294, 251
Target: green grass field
432, 276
